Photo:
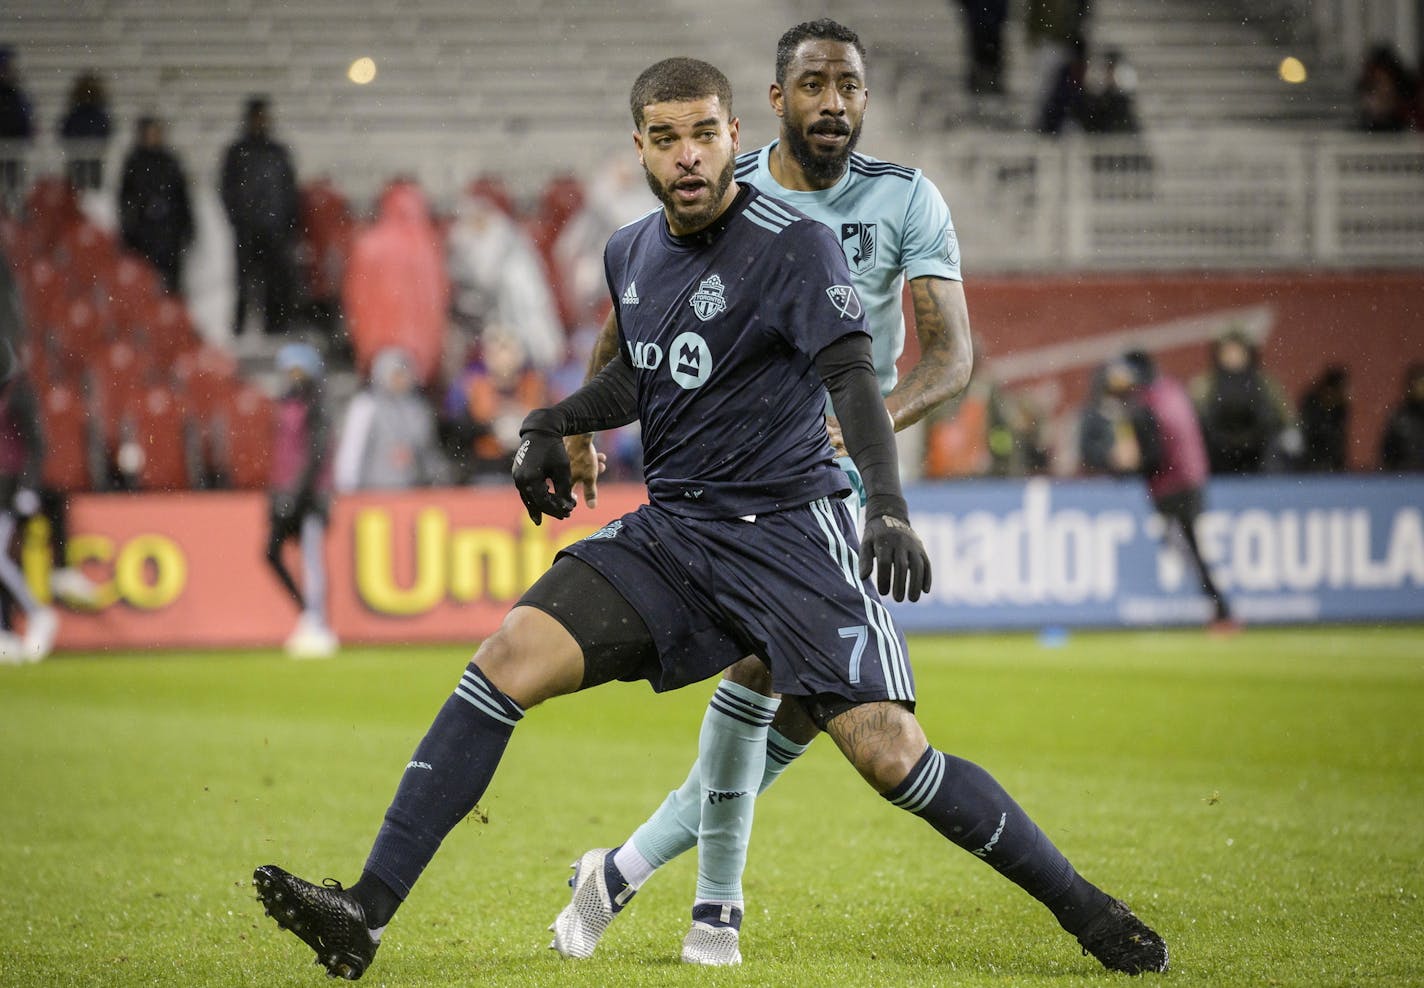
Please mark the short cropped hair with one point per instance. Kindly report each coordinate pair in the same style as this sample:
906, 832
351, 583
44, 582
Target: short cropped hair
824, 29
678, 80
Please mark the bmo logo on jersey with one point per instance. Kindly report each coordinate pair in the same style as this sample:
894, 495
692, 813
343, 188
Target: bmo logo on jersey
645, 356
691, 361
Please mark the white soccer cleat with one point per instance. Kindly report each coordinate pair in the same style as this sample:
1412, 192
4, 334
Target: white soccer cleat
311, 639
72, 586
40, 630
715, 937
579, 927
12, 649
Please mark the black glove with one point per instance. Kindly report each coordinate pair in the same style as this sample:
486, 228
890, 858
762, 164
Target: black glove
540, 461
892, 548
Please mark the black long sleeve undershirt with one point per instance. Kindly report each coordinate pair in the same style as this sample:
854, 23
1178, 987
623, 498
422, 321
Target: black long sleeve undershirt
606, 401
848, 370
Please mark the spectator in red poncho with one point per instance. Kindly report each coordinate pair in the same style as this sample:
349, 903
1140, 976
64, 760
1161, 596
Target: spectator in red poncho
396, 292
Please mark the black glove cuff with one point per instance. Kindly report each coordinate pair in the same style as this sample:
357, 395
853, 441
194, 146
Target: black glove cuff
542, 420
886, 506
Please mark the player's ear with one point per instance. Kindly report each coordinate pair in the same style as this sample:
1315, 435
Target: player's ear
777, 98
638, 143
735, 127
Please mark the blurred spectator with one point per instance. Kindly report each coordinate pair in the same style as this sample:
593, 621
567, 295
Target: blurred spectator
297, 496
328, 229
1056, 32
1101, 425
1065, 106
259, 193
487, 403
984, 32
85, 129
21, 456
1165, 446
1108, 96
395, 291
1324, 421
1402, 445
154, 213
1384, 92
17, 124
1243, 411
388, 437
499, 283
1016, 440
614, 197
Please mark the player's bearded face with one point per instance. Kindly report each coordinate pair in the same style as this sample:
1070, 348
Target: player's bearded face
804, 138
709, 192
688, 150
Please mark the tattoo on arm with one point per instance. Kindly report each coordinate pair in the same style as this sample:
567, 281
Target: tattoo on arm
605, 348
946, 354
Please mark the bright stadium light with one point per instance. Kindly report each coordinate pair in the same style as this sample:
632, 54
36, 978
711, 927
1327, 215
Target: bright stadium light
1292, 70
362, 71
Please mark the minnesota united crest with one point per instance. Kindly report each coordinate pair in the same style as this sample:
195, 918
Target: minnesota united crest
858, 241
709, 299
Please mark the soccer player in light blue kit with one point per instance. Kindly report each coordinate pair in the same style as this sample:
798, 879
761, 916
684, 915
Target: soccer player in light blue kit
893, 226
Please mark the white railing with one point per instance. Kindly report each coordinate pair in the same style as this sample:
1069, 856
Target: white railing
1223, 200
1220, 199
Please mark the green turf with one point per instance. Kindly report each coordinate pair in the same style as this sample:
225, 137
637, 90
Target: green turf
1258, 800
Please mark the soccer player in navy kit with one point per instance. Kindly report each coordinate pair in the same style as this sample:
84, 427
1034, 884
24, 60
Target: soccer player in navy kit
745, 319
894, 227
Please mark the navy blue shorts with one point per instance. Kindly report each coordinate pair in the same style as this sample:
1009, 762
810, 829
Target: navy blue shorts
784, 586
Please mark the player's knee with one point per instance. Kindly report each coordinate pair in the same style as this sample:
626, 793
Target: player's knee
752, 673
531, 658
882, 740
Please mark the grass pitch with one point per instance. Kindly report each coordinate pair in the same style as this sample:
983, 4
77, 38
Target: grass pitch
1257, 800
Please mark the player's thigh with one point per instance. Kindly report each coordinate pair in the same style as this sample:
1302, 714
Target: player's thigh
752, 673
531, 658
883, 740
571, 630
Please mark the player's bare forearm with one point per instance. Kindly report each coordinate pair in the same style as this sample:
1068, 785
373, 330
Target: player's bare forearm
946, 352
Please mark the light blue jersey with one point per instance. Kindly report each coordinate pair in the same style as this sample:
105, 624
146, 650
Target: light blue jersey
893, 225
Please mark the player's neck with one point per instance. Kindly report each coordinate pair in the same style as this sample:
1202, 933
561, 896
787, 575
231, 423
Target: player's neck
789, 174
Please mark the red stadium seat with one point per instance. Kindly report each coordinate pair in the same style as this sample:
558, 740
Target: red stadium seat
67, 439
88, 252
492, 187
134, 286
78, 338
243, 439
44, 291
168, 332
153, 422
206, 379
51, 208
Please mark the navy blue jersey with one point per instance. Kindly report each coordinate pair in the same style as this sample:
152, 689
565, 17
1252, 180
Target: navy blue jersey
722, 328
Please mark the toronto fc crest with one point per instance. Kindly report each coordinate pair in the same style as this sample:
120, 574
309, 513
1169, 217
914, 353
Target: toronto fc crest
709, 299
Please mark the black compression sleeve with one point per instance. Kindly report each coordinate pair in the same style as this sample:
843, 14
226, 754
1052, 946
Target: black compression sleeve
606, 401
849, 373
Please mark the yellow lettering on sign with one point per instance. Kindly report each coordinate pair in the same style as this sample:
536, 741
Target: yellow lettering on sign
150, 571
375, 562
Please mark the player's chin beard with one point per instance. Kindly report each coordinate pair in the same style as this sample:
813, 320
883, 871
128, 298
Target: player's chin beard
693, 221
819, 166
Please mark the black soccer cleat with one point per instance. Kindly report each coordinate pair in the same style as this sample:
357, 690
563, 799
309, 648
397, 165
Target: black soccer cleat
1122, 942
326, 918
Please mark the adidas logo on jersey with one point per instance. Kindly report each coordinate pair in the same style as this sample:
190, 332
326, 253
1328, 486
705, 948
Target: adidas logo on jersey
630, 294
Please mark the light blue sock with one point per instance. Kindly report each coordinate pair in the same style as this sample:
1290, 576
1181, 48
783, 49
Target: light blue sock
732, 753
672, 829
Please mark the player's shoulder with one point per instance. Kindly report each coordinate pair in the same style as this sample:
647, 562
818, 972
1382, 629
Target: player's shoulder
775, 216
747, 163
629, 232
865, 167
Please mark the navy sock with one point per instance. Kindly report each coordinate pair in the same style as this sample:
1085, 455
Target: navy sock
964, 803
378, 902
446, 777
